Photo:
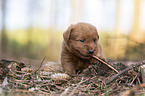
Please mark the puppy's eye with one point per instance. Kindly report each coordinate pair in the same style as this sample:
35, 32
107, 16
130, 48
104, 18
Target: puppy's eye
94, 40
82, 40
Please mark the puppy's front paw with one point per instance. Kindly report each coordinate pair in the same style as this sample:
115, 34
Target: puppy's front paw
72, 73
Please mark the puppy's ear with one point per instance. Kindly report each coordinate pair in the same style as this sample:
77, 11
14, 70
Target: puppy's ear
98, 36
67, 33
97, 33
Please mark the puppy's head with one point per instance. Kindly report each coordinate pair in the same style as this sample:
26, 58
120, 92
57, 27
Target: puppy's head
81, 40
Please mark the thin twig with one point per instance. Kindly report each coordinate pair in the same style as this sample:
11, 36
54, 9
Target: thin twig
107, 92
71, 94
64, 93
138, 80
40, 65
105, 63
120, 73
133, 80
67, 89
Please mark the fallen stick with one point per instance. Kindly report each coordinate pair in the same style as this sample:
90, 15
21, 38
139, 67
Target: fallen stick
65, 92
120, 73
72, 93
40, 65
105, 63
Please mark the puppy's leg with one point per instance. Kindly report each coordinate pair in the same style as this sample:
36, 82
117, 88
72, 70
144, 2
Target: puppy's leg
69, 68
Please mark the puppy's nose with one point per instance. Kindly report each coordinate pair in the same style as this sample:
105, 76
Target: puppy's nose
91, 51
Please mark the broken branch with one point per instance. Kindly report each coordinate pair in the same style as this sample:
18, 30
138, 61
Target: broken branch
105, 63
120, 73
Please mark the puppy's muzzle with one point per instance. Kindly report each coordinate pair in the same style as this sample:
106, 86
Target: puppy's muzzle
91, 51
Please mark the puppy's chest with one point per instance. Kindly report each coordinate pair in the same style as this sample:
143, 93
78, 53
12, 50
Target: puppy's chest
81, 64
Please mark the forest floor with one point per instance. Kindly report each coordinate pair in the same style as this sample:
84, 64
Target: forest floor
17, 78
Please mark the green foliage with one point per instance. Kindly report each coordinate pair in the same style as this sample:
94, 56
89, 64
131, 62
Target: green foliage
36, 43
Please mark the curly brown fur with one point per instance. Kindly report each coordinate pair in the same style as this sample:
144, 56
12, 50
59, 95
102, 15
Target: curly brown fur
81, 42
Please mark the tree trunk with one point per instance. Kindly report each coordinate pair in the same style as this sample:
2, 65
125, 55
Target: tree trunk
4, 40
136, 33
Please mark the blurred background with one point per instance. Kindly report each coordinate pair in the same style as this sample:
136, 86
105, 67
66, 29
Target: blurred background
32, 29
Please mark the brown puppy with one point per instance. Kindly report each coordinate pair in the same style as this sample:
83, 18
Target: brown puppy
81, 42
